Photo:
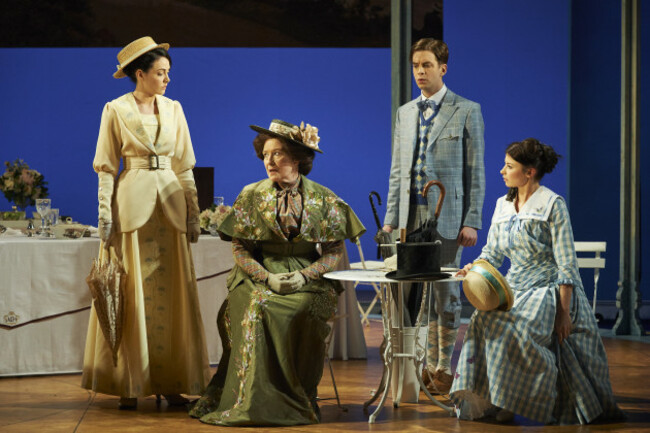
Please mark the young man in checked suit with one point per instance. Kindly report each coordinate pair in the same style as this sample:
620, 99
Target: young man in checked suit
438, 136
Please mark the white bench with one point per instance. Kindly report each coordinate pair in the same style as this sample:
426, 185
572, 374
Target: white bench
595, 262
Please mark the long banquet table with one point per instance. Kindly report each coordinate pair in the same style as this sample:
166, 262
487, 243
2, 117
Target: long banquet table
45, 303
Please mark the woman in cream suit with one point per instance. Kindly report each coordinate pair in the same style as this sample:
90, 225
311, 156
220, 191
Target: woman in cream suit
149, 214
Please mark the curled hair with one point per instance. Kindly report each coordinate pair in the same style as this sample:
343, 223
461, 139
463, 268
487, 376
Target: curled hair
531, 153
145, 62
302, 154
436, 46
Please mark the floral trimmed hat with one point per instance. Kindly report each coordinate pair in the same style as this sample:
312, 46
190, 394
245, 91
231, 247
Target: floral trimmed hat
301, 135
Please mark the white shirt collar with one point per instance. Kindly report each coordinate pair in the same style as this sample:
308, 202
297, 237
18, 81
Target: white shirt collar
436, 97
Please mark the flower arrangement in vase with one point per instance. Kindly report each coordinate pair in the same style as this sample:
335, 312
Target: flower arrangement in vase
211, 217
22, 185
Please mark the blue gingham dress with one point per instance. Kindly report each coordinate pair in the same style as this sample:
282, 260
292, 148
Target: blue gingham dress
512, 359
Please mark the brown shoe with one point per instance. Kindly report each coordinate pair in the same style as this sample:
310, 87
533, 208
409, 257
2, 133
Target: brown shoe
428, 378
442, 381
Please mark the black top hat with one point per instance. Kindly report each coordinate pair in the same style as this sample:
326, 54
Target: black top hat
301, 135
418, 261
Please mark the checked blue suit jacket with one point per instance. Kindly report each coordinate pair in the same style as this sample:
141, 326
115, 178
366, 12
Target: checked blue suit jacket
454, 157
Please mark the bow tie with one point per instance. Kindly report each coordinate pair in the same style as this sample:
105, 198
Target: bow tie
427, 103
288, 191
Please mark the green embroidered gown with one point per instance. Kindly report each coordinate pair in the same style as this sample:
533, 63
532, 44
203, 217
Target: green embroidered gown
274, 344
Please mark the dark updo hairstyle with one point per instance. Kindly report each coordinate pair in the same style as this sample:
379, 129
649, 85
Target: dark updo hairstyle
302, 154
145, 62
532, 154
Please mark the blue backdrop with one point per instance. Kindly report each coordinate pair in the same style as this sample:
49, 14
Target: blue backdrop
503, 56
53, 106
594, 186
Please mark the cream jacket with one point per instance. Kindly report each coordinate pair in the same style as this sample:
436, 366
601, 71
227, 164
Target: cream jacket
130, 200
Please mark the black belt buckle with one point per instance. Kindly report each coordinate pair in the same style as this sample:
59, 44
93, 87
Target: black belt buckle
152, 159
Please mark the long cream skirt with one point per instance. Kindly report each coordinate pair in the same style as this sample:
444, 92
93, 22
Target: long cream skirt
163, 347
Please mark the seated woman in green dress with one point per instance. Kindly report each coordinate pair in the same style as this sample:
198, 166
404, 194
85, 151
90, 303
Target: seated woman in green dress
286, 232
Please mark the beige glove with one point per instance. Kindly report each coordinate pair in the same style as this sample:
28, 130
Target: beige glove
105, 195
281, 283
186, 179
105, 199
105, 228
193, 231
297, 280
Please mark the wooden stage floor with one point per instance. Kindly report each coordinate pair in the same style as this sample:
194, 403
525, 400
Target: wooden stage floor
57, 403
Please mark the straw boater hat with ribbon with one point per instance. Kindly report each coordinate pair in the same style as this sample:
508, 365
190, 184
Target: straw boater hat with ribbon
134, 50
486, 289
302, 135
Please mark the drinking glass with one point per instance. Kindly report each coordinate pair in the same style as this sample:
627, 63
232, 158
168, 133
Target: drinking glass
54, 216
218, 201
43, 207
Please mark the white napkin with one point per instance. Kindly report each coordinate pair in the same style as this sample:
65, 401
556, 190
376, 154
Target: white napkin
12, 232
391, 262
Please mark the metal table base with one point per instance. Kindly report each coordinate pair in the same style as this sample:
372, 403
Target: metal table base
392, 352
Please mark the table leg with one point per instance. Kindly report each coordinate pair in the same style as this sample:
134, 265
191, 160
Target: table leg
382, 382
400, 344
386, 354
384, 385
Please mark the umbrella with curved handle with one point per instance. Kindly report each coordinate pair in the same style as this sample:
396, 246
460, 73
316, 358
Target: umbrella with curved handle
374, 209
441, 198
428, 232
381, 237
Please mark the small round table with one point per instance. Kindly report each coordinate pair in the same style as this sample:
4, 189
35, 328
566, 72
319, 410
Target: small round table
394, 353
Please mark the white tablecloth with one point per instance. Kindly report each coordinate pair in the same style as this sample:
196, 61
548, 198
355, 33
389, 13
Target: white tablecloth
348, 341
45, 303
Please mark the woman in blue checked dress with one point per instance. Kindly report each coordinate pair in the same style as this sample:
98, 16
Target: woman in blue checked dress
544, 358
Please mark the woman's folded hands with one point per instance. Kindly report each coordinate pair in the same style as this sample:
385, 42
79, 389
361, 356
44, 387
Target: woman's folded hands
286, 282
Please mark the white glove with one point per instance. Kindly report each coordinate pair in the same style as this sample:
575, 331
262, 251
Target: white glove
193, 231
281, 283
391, 262
105, 228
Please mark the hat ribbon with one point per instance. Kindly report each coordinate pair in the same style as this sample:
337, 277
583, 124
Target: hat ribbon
494, 283
283, 129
